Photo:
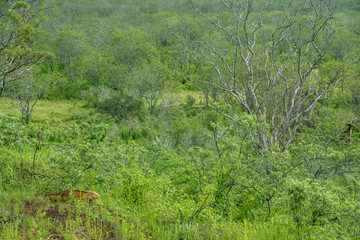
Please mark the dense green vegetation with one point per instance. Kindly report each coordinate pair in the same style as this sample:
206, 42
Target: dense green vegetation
191, 119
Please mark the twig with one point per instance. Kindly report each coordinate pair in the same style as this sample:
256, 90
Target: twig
200, 209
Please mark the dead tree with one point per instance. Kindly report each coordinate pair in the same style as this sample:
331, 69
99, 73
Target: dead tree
270, 70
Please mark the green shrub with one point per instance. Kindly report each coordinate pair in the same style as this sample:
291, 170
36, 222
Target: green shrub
120, 107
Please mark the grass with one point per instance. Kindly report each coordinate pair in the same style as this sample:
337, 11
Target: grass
61, 110
27, 215
67, 110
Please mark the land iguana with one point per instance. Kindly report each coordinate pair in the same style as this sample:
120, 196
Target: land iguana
85, 196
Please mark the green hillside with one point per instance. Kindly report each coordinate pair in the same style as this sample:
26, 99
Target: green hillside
217, 119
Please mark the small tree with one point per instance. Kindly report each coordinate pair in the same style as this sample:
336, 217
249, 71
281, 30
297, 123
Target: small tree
148, 82
27, 93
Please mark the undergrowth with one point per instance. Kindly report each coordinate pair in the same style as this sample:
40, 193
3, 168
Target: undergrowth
154, 186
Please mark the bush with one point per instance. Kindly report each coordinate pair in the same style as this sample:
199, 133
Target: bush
120, 107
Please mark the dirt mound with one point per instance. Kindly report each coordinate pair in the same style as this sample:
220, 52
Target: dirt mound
64, 214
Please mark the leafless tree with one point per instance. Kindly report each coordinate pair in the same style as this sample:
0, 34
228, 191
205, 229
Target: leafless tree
269, 70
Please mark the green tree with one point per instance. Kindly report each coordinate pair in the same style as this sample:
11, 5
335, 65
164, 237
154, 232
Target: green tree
70, 46
97, 69
19, 23
131, 47
148, 82
27, 93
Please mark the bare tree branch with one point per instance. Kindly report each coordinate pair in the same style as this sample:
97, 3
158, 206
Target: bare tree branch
274, 78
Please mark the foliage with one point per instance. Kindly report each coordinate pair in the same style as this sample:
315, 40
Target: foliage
27, 92
19, 23
120, 107
112, 120
148, 82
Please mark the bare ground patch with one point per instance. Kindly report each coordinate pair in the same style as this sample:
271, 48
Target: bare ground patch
62, 214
